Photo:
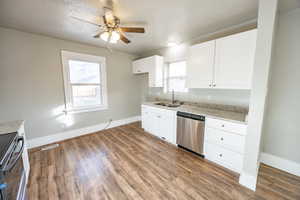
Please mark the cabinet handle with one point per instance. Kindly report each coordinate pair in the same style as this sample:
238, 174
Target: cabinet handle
223, 125
214, 85
158, 116
220, 155
222, 139
209, 85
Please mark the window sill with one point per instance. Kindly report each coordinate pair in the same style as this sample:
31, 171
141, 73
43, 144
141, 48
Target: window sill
83, 110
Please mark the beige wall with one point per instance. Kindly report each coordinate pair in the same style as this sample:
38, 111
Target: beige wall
31, 84
282, 133
178, 53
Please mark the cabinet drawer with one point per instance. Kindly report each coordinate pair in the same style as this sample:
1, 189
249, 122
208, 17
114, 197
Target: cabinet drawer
226, 126
148, 109
158, 111
161, 111
224, 157
231, 141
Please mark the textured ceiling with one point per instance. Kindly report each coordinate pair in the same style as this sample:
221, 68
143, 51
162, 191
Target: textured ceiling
164, 20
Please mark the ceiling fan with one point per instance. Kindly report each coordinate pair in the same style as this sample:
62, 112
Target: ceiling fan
111, 30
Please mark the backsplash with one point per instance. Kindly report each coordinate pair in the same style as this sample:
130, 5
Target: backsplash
238, 98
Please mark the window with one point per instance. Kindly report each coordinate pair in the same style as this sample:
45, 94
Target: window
85, 82
175, 77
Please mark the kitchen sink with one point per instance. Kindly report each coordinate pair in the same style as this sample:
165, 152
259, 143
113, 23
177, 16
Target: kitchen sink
168, 105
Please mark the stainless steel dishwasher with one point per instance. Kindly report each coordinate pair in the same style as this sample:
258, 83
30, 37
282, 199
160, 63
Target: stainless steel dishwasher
190, 132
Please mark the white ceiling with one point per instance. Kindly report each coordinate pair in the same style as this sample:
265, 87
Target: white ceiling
164, 20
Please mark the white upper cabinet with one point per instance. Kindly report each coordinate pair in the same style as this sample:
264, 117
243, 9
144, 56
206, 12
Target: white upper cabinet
154, 66
235, 60
200, 65
225, 63
138, 67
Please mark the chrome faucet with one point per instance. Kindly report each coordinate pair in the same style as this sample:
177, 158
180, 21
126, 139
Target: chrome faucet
173, 97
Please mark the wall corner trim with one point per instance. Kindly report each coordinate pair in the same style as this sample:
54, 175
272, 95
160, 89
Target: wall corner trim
248, 180
280, 163
40, 141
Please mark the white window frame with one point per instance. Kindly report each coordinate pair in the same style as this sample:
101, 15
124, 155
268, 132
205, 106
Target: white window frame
68, 55
167, 78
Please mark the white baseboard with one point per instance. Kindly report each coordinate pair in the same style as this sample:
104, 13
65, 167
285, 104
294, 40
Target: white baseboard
280, 163
248, 181
40, 141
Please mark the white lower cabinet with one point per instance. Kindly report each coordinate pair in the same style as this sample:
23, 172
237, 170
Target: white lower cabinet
159, 122
223, 156
224, 143
231, 141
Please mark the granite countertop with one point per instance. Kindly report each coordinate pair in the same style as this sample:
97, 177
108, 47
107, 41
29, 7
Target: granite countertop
11, 126
239, 117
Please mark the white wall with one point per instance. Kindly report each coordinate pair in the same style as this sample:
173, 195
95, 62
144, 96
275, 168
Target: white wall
265, 38
282, 133
31, 84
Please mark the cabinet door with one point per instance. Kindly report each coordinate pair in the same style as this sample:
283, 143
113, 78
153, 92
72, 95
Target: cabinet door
154, 120
234, 60
151, 120
138, 67
200, 65
145, 119
160, 122
167, 128
156, 70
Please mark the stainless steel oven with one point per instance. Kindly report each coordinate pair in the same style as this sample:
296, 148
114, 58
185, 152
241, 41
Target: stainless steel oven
190, 132
12, 173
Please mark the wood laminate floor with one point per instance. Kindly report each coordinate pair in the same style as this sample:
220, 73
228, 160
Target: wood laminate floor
127, 163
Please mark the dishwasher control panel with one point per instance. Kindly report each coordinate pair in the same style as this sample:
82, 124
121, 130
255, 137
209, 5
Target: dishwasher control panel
191, 116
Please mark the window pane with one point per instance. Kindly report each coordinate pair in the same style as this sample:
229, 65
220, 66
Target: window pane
177, 69
84, 72
177, 84
86, 95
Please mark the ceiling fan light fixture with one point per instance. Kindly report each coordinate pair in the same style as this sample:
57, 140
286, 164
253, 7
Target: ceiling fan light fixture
115, 36
104, 36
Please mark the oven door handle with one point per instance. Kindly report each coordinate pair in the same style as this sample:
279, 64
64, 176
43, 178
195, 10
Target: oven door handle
12, 164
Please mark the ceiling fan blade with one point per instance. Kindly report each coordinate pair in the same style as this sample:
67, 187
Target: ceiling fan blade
98, 34
87, 21
124, 39
104, 20
132, 29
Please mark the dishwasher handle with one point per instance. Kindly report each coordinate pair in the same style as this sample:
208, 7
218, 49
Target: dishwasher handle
191, 116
